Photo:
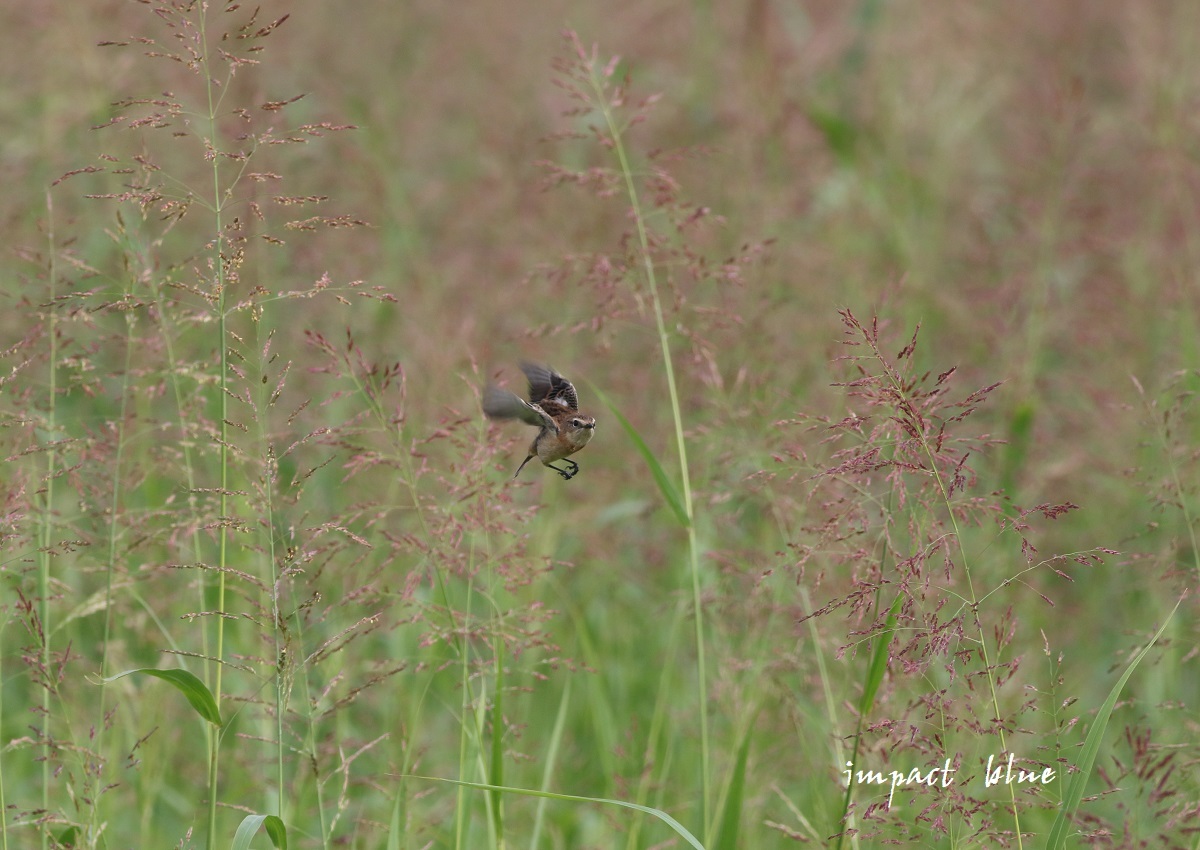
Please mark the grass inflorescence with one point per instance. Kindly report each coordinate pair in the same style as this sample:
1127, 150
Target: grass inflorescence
266, 576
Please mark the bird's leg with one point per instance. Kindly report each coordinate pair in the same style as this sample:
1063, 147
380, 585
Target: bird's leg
567, 474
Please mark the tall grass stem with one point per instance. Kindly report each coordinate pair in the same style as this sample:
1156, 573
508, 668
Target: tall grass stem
616, 133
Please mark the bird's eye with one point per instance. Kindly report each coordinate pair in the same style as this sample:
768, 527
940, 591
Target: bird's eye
577, 423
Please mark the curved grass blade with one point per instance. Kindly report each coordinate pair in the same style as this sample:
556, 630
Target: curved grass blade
660, 476
879, 660
1091, 747
249, 826
731, 812
551, 761
875, 673
186, 683
679, 828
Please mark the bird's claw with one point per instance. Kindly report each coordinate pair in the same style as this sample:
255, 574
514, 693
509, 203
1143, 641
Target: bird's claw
567, 474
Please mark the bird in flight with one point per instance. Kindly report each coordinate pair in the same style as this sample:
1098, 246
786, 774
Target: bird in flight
553, 407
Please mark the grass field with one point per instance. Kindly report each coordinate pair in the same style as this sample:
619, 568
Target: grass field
888, 315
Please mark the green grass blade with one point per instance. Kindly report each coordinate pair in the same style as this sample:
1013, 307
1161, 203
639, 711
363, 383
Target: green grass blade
396, 827
496, 757
679, 828
665, 486
875, 673
879, 660
731, 812
186, 683
249, 826
1091, 747
556, 737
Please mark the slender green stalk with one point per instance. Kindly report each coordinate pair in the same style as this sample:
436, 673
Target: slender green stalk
219, 198
471, 728
495, 757
279, 631
972, 598
659, 724
113, 533
46, 531
876, 670
993, 694
469, 719
617, 135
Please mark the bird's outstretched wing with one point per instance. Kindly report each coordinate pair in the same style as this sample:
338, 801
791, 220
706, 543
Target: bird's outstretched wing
501, 404
550, 390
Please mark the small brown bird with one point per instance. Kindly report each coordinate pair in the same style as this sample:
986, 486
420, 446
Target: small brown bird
553, 406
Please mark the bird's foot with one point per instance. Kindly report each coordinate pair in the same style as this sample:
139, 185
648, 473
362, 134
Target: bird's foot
567, 474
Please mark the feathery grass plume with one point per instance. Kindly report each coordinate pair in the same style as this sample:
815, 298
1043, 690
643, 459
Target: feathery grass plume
930, 576
175, 521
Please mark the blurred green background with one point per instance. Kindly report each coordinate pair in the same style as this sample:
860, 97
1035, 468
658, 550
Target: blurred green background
1019, 178
1016, 176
